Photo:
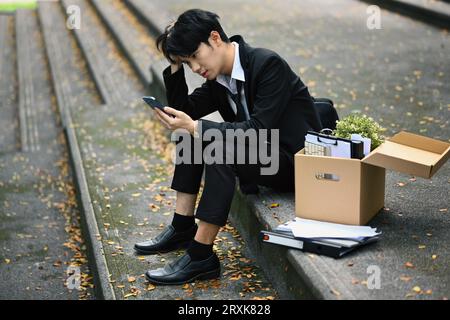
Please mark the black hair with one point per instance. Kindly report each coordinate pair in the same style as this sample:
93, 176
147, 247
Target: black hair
183, 37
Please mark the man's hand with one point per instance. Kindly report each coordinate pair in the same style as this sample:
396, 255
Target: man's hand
174, 67
180, 121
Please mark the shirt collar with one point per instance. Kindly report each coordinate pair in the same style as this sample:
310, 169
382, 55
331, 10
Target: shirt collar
237, 73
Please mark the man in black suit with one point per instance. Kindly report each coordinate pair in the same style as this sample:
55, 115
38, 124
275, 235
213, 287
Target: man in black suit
253, 89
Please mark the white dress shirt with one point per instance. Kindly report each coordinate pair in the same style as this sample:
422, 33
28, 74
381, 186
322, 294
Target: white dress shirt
229, 82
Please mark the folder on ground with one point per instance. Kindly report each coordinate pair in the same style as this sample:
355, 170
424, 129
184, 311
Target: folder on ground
329, 239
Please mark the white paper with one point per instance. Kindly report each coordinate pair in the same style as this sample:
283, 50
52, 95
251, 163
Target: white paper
305, 228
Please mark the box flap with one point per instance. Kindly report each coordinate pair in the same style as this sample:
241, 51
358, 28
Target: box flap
410, 153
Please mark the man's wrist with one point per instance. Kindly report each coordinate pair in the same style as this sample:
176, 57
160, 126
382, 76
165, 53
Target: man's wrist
194, 132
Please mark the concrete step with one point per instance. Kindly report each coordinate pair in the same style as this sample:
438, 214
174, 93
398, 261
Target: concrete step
29, 134
5, 43
75, 90
39, 232
131, 36
9, 124
72, 80
110, 70
38, 210
34, 109
145, 11
438, 6
433, 12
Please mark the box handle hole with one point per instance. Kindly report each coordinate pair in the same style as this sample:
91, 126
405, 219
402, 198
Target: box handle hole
327, 176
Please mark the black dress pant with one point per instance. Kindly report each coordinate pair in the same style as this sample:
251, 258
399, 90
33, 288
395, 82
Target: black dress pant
220, 179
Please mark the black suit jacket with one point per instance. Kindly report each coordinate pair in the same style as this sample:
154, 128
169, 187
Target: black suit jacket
275, 95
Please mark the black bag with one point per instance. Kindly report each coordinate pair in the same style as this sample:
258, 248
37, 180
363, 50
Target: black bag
327, 112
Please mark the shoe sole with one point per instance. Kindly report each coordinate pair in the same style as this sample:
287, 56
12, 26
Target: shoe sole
182, 245
214, 274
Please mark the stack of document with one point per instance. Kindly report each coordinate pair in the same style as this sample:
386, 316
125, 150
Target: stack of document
325, 238
325, 145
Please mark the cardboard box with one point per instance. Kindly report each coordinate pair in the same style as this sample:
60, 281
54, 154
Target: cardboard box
351, 191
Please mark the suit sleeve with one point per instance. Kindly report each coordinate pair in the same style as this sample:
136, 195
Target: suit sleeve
198, 104
271, 100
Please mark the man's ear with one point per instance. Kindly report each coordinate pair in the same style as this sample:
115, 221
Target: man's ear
215, 38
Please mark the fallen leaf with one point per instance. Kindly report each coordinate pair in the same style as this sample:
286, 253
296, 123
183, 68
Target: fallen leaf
409, 265
235, 277
153, 207
405, 279
335, 292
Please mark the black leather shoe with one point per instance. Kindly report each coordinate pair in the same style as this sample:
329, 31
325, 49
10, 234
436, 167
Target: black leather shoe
166, 241
184, 270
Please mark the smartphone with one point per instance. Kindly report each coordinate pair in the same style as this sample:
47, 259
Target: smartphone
152, 102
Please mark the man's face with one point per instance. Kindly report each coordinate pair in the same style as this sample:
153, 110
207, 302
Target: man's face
207, 60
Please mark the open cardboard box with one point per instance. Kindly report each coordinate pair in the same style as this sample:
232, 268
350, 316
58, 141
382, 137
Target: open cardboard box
351, 191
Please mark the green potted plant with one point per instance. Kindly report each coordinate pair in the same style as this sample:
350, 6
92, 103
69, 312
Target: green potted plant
360, 124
